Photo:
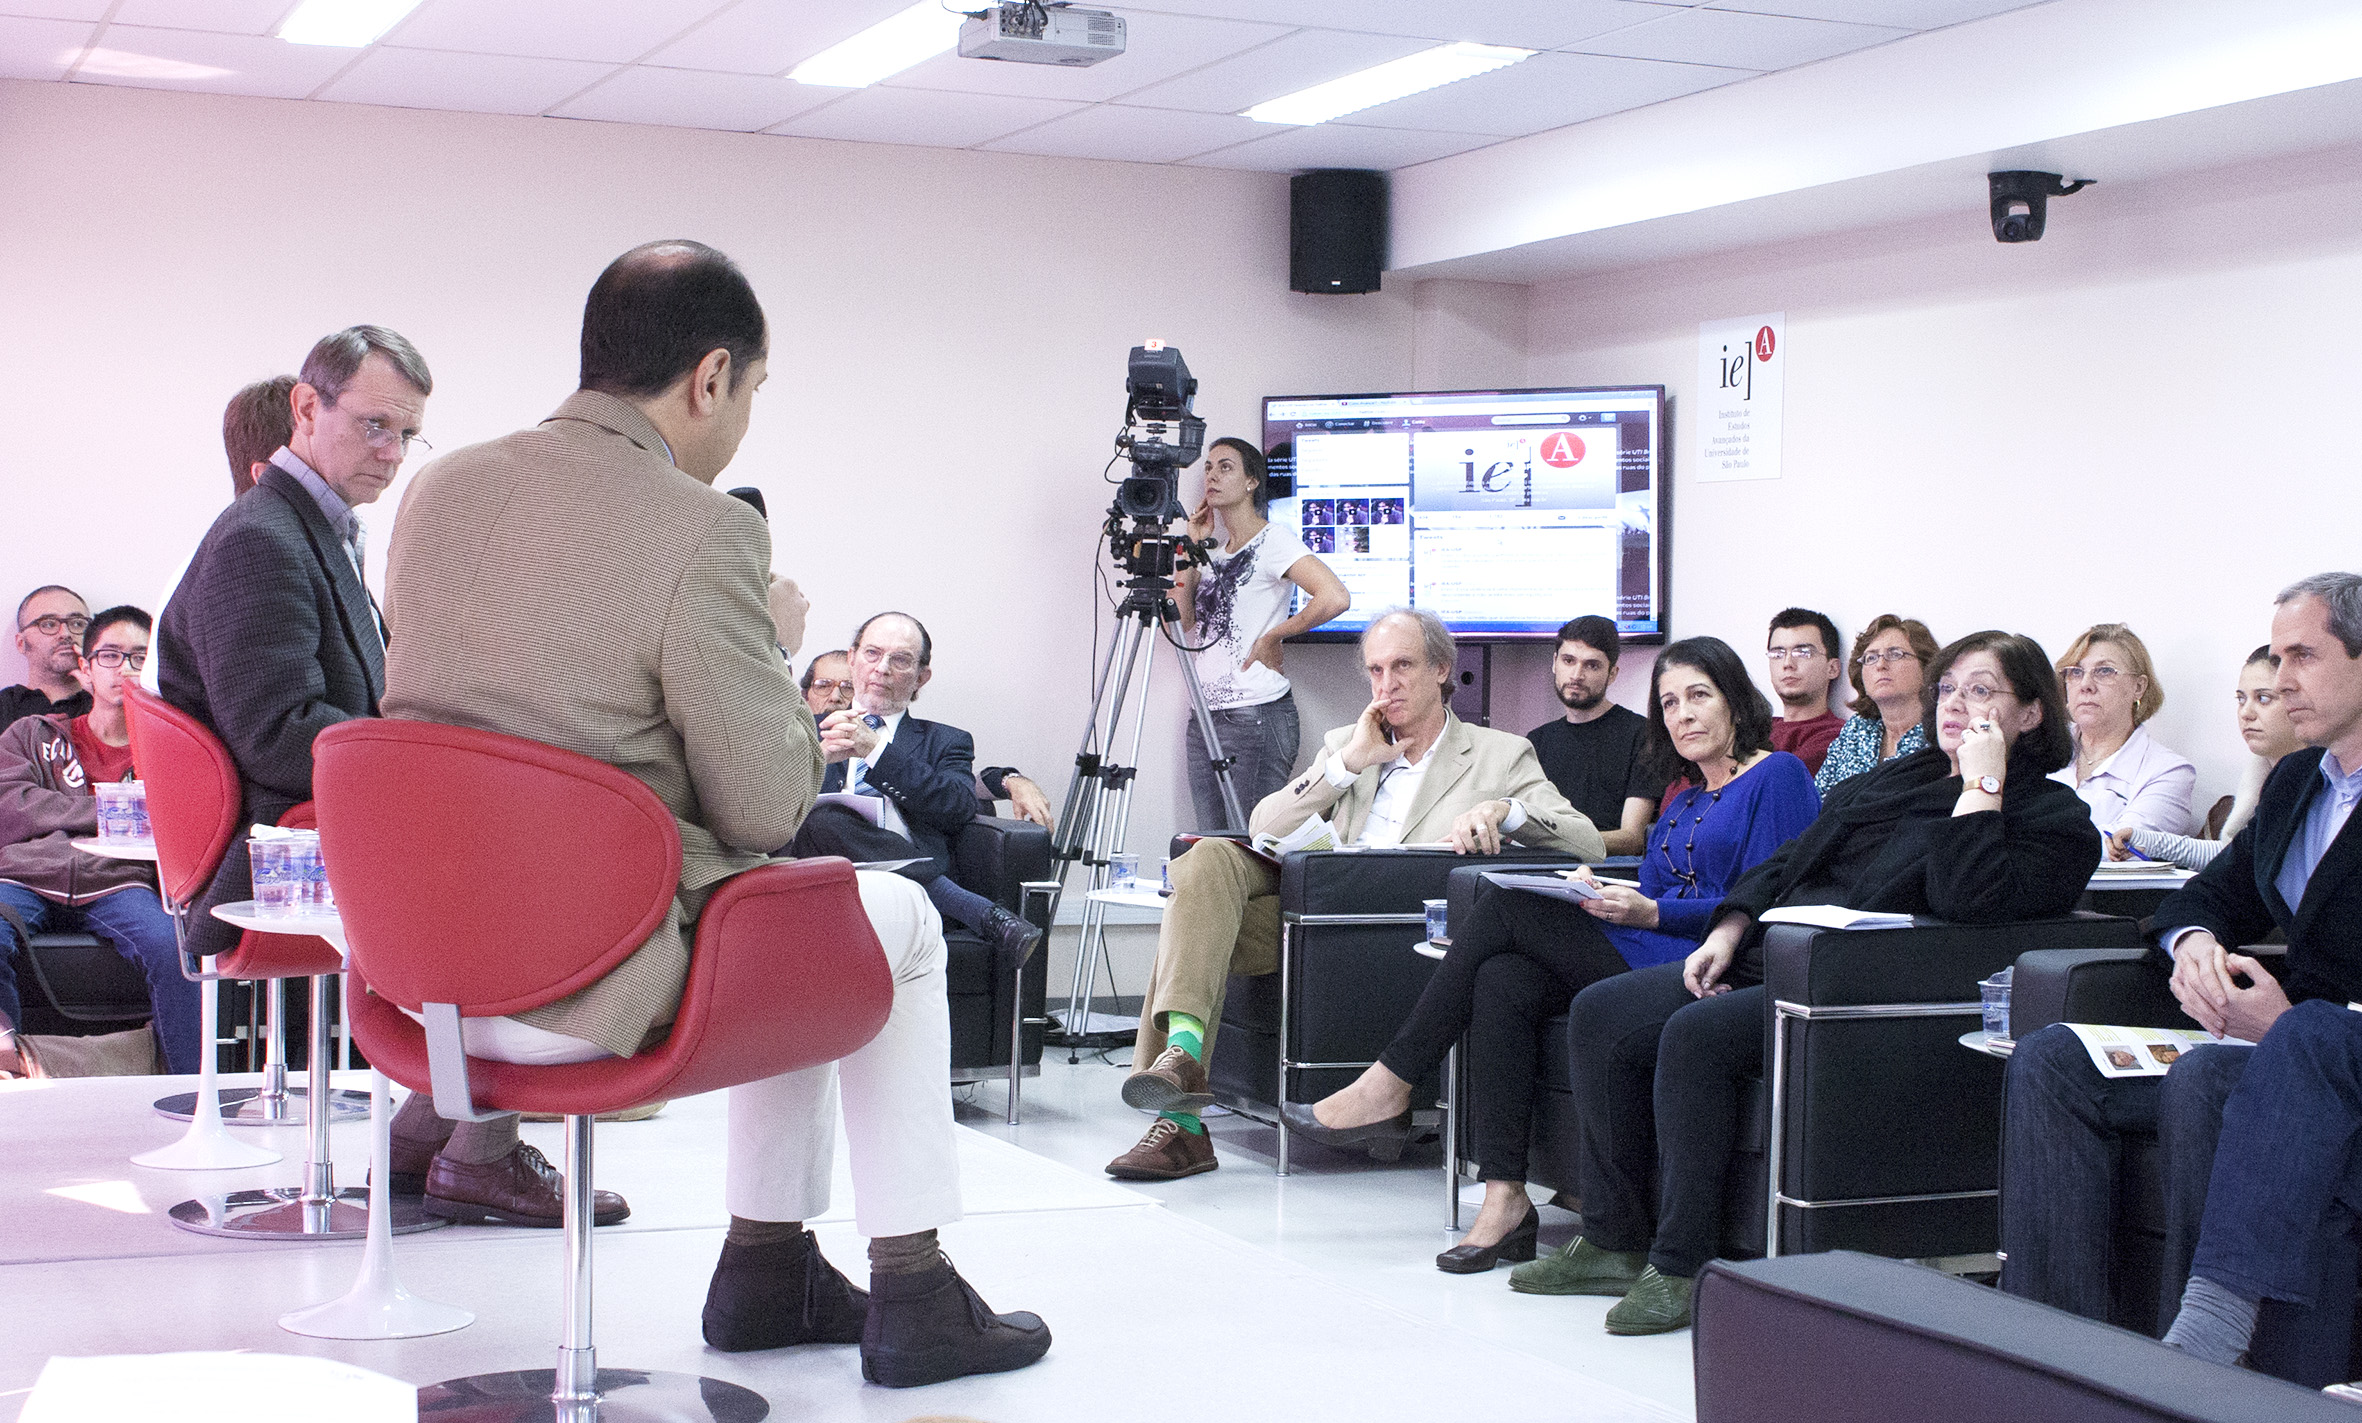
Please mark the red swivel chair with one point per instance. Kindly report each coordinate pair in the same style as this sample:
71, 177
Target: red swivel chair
482, 875
194, 803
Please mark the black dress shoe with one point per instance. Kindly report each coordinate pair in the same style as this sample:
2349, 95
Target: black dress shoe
929, 1326
1517, 1247
771, 1296
1012, 936
1383, 1140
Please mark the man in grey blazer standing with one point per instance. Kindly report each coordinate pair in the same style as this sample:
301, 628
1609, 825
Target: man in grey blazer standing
583, 584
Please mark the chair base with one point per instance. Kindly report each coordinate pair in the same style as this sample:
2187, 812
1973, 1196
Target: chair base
283, 1214
625, 1396
247, 1107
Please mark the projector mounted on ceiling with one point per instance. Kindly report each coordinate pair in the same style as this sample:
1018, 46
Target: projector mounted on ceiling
1030, 32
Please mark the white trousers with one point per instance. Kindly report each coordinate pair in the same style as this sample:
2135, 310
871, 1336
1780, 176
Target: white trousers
783, 1130
896, 1093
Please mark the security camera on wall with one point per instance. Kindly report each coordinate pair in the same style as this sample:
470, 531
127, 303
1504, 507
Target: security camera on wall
2019, 199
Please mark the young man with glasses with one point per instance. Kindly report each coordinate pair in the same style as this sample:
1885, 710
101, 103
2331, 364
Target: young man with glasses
1806, 661
49, 627
49, 766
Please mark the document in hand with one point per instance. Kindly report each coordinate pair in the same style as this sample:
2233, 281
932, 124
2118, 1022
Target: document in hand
1549, 886
1835, 916
2140, 1052
1313, 834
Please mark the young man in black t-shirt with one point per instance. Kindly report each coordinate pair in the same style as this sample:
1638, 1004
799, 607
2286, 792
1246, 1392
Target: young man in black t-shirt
1592, 754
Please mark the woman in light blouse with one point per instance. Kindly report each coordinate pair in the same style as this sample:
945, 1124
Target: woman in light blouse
2125, 776
1888, 667
2263, 724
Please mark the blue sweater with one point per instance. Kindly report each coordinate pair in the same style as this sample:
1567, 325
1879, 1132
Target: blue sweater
1716, 836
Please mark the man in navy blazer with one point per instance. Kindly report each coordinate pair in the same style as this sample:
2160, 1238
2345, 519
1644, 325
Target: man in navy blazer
271, 635
923, 774
2296, 868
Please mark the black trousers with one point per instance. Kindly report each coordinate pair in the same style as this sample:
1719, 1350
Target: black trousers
838, 830
1659, 1078
1515, 965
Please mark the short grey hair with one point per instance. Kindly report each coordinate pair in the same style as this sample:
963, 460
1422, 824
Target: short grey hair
2341, 594
337, 356
1436, 639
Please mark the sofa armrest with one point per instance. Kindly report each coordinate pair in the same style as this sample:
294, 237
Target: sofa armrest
2126, 987
1383, 881
1926, 963
995, 856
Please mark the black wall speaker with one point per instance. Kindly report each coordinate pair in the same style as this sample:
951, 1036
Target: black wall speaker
1336, 231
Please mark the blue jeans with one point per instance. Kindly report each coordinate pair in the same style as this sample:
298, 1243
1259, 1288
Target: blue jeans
141, 931
1261, 743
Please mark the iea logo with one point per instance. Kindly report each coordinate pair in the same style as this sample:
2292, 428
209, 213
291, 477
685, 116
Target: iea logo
1764, 344
1562, 450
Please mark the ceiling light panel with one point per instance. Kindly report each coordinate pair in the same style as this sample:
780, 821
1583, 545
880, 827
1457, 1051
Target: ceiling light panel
349, 24
886, 48
1395, 79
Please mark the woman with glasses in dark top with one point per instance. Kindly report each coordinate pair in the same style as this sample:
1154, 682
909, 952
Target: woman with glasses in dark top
1972, 830
1520, 958
1888, 668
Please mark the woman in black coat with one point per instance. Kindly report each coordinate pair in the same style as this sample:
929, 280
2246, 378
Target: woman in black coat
1970, 830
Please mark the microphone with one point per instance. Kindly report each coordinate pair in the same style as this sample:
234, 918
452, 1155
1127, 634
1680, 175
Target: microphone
752, 496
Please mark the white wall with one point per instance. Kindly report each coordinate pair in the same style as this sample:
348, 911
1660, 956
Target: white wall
2146, 417
947, 356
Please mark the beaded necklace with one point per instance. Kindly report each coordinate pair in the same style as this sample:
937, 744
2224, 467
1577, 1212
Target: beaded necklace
1699, 800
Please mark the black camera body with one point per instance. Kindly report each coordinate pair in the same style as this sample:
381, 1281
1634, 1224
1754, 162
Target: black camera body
1158, 389
2020, 201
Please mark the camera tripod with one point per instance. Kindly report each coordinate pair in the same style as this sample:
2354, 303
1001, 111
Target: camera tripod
1097, 816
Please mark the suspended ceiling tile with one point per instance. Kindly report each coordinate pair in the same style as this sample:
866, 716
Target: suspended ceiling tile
1157, 47
1528, 24
40, 49
465, 83
53, 9
228, 17
1299, 61
1132, 135
923, 116
548, 29
772, 36
695, 98
1739, 41
1545, 92
210, 63
1335, 145
1904, 14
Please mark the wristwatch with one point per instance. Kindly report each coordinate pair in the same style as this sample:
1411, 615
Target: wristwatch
1990, 785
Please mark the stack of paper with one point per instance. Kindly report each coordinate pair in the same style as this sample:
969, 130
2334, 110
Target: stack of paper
1836, 916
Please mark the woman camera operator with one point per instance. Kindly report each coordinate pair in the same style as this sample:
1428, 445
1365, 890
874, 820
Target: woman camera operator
1235, 614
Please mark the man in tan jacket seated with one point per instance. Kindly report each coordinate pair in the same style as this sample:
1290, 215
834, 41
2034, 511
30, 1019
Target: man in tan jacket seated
583, 584
1407, 772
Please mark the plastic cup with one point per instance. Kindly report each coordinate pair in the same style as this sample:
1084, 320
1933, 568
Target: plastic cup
1438, 920
287, 875
1123, 870
1996, 996
122, 810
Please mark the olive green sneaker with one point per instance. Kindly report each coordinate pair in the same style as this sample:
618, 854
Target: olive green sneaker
1579, 1268
1658, 1304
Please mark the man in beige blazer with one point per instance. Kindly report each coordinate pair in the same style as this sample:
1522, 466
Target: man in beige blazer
1407, 772
583, 584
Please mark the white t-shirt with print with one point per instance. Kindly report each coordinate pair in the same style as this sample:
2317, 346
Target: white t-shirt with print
1240, 597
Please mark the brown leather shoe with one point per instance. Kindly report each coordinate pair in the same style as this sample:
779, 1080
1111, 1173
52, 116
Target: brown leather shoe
521, 1188
1169, 1152
410, 1161
1176, 1082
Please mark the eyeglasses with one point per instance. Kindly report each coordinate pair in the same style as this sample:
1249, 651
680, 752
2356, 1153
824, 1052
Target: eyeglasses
377, 435
1782, 654
1892, 655
113, 657
2100, 676
50, 625
1977, 693
877, 656
828, 688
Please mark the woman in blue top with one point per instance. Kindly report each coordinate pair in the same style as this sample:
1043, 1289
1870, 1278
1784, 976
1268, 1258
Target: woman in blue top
1520, 958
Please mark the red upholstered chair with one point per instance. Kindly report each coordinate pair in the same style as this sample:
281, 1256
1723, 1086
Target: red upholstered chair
482, 875
194, 803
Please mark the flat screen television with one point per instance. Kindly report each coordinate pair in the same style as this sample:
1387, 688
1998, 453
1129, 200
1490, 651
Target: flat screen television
1504, 512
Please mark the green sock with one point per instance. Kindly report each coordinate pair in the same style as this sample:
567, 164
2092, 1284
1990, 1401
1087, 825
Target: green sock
1187, 1121
1187, 1034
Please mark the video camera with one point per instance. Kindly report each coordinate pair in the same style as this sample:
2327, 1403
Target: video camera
1158, 389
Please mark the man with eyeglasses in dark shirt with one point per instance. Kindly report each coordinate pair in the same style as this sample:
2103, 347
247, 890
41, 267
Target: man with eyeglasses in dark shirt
49, 627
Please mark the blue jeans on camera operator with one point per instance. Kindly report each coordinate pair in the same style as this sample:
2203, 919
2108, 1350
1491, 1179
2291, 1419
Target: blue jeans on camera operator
1261, 742
141, 932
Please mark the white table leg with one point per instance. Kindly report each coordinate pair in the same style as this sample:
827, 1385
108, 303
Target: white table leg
377, 1307
207, 1145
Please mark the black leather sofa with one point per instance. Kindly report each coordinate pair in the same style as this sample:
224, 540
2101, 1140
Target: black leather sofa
1890, 1139
996, 1005
74, 983
1846, 1338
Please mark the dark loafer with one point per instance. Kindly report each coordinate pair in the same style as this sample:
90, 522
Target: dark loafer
521, 1188
1383, 1140
1517, 1247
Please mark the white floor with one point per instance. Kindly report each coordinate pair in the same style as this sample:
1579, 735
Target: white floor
1236, 1294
